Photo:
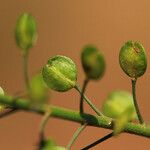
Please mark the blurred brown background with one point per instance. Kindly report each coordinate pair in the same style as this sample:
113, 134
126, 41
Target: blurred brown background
64, 27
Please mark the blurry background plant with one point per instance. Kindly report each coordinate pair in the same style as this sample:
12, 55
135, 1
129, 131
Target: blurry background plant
100, 85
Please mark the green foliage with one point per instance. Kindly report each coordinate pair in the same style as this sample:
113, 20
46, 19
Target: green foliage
133, 59
60, 73
38, 90
117, 103
93, 62
26, 33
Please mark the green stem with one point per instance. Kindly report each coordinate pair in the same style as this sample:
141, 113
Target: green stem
135, 101
42, 127
98, 141
86, 81
75, 136
43, 123
88, 101
71, 115
82, 127
25, 69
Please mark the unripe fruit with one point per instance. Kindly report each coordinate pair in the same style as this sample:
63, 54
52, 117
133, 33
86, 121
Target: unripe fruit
93, 62
26, 33
60, 73
133, 59
117, 103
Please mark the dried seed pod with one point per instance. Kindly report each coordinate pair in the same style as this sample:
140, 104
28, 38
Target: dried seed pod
133, 59
93, 62
60, 73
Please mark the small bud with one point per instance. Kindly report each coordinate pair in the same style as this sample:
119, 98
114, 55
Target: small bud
93, 62
117, 102
1, 91
60, 73
133, 59
2, 107
26, 33
38, 90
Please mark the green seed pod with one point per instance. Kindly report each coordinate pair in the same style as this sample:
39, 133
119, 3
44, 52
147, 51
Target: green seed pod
25, 32
93, 62
38, 90
133, 59
60, 73
117, 103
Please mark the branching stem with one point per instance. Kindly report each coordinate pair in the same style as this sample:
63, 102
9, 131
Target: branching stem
88, 101
71, 115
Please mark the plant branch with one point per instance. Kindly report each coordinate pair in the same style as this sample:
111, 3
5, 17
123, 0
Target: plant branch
75, 136
71, 115
98, 141
141, 120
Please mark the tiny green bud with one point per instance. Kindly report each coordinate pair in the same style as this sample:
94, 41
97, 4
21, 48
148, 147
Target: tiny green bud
38, 89
133, 59
117, 102
2, 107
93, 62
26, 33
1, 91
60, 73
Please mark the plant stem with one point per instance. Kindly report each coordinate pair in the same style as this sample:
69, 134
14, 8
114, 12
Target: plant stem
88, 101
71, 115
135, 101
82, 127
7, 112
44, 122
25, 69
86, 81
75, 136
98, 141
42, 127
